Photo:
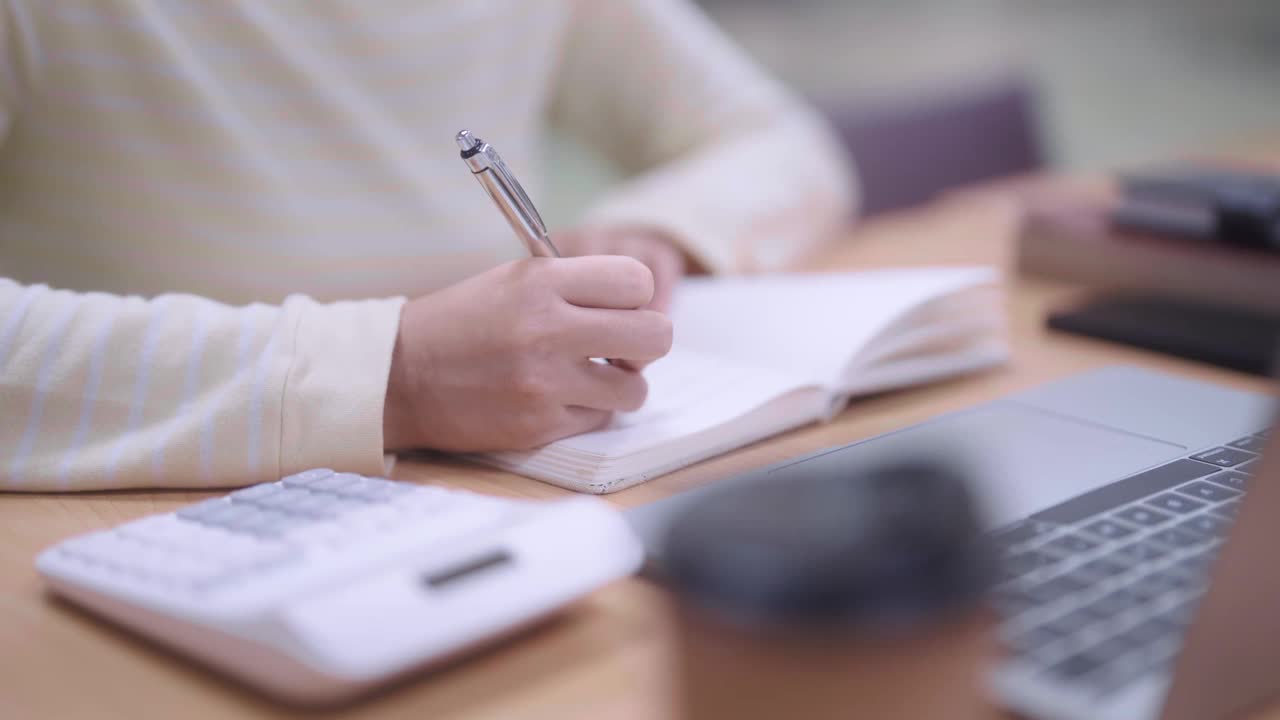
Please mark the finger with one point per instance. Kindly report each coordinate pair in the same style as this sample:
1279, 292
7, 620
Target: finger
606, 387
667, 266
603, 281
578, 420
636, 336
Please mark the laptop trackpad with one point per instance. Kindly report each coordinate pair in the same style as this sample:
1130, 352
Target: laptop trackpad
1021, 459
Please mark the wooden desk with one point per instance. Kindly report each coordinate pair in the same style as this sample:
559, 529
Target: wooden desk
605, 659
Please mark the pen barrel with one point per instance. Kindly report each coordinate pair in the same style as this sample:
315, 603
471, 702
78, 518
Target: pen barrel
532, 237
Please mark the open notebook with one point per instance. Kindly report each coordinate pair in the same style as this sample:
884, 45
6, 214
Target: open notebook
755, 356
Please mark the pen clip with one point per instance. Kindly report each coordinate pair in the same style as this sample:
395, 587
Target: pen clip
508, 179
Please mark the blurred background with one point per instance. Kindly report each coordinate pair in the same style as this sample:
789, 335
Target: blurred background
1111, 83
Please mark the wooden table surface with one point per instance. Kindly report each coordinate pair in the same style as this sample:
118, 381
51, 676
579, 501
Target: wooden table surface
606, 658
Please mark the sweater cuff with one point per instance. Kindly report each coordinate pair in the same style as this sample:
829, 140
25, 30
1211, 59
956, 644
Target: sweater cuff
337, 385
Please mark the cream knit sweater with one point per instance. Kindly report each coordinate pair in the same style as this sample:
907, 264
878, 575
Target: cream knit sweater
232, 197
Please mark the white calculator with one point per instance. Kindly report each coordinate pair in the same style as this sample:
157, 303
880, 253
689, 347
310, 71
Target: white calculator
321, 585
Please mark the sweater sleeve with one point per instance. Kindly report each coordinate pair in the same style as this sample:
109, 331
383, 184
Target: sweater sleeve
102, 391
722, 158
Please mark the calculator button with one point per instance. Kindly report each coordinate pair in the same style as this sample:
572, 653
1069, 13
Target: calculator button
307, 477
254, 492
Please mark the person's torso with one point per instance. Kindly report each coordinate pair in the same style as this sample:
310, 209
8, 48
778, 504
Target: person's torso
245, 150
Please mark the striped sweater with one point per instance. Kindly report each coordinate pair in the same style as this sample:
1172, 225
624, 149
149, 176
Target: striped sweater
211, 210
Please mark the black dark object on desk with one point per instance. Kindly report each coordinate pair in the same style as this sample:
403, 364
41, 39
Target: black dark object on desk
885, 552
1230, 337
1233, 207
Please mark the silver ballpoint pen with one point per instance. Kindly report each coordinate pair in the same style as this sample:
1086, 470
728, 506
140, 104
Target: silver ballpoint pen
497, 180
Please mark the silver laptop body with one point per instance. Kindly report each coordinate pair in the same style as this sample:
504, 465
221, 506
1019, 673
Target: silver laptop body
1111, 494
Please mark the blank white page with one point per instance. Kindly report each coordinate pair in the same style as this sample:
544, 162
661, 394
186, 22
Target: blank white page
807, 325
688, 392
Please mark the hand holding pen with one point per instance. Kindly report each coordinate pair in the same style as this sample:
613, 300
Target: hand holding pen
500, 361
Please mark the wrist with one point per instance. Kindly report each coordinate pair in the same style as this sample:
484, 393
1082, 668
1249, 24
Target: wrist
398, 418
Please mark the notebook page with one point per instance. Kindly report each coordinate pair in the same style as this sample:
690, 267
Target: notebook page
808, 325
689, 391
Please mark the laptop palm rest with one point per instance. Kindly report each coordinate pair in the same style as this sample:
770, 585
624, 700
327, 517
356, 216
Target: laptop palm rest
1024, 459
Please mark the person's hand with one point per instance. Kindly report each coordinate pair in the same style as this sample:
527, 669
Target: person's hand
664, 259
500, 360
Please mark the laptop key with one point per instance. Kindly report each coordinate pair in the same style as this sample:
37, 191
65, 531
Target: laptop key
1116, 494
1053, 590
1197, 565
1070, 544
1248, 468
1223, 457
1178, 537
1249, 443
1021, 532
1074, 622
1150, 631
1208, 492
1102, 568
1011, 602
1139, 552
1228, 510
1230, 479
1206, 524
1173, 502
1016, 565
1139, 515
1114, 603
1109, 529
1036, 638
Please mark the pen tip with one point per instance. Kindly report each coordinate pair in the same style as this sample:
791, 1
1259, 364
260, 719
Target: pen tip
467, 141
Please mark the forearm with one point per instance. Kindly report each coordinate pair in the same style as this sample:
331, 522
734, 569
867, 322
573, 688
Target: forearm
101, 391
724, 159
751, 199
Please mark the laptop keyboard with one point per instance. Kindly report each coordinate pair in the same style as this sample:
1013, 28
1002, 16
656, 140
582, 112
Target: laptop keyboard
1097, 591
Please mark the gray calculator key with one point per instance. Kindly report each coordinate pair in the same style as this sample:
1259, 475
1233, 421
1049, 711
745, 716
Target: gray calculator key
202, 509
1230, 479
334, 482
1173, 502
254, 492
1139, 515
1109, 529
1224, 457
1208, 492
1249, 443
307, 477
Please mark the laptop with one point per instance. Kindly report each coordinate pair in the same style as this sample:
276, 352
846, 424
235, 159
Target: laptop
1111, 495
